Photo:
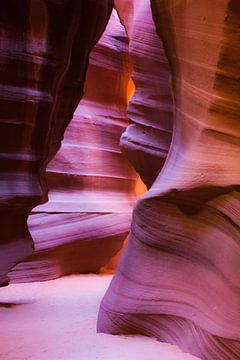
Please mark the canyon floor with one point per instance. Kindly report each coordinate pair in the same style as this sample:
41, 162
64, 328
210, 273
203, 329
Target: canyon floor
56, 320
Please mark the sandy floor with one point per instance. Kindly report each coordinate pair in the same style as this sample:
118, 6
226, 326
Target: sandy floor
56, 320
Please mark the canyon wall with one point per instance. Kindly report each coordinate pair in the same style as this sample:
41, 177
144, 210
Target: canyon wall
179, 279
146, 140
91, 185
44, 51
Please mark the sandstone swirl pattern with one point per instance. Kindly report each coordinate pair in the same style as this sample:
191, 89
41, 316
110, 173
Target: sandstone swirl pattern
92, 186
179, 276
146, 140
44, 52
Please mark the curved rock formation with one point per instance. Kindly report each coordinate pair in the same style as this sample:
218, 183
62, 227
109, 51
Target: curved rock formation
146, 140
178, 278
92, 186
44, 54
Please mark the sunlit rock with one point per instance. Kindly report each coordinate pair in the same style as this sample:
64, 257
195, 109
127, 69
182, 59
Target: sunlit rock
179, 276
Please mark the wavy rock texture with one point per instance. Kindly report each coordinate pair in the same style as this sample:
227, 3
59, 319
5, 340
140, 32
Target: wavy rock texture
146, 140
92, 186
44, 54
179, 276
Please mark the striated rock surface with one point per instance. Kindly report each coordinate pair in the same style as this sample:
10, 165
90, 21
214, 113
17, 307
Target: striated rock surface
91, 184
44, 52
146, 140
179, 276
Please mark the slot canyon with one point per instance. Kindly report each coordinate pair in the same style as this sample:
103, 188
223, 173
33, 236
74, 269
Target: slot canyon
120, 179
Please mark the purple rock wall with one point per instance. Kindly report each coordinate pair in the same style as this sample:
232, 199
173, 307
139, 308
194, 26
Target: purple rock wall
178, 279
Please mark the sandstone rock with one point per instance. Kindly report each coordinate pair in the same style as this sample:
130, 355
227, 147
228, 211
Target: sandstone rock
178, 278
146, 140
44, 54
92, 186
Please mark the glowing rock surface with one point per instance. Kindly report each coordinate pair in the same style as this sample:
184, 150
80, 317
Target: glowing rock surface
91, 184
179, 276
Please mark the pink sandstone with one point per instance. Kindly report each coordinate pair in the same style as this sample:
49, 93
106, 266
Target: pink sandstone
178, 278
91, 184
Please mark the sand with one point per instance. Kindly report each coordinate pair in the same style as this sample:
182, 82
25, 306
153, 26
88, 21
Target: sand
56, 320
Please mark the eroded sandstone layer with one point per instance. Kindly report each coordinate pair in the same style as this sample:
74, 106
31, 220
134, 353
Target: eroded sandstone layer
92, 186
179, 276
44, 55
146, 140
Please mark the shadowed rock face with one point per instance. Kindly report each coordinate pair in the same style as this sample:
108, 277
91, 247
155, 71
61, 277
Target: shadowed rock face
92, 186
44, 55
146, 140
179, 276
